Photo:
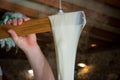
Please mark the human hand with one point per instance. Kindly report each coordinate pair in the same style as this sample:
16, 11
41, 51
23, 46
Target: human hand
26, 42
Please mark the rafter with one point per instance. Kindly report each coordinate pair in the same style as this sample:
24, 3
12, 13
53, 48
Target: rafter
48, 2
99, 17
9, 6
115, 3
99, 34
103, 26
66, 6
105, 34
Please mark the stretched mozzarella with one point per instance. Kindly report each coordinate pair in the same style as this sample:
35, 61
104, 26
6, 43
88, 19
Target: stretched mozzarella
66, 30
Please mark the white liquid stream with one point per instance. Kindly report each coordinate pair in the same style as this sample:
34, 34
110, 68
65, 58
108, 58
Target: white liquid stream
66, 29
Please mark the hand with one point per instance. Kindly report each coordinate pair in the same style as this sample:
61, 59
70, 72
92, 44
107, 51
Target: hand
26, 42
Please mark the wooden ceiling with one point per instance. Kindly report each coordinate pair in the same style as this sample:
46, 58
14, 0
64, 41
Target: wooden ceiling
103, 19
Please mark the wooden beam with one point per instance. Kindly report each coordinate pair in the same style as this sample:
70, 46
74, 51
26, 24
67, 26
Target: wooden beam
98, 42
93, 15
48, 2
92, 34
32, 26
114, 3
105, 34
102, 26
66, 6
55, 3
9, 6
114, 22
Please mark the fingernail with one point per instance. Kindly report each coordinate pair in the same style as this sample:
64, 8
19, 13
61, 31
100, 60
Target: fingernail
26, 19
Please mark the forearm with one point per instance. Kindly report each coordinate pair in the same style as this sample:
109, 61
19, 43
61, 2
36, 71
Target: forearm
38, 62
28, 44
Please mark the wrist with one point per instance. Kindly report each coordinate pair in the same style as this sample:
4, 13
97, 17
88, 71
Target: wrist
32, 49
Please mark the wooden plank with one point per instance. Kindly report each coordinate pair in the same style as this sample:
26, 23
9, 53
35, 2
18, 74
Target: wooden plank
55, 3
114, 3
68, 7
96, 41
32, 26
48, 2
114, 22
19, 8
105, 34
100, 33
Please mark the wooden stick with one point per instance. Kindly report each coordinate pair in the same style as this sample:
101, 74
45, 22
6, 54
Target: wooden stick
32, 26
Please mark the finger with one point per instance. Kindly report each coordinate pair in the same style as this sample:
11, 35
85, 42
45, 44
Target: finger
14, 22
20, 21
9, 22
13, 35
26, 19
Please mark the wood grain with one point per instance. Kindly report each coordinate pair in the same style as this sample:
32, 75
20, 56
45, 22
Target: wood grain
13, 7
29, 27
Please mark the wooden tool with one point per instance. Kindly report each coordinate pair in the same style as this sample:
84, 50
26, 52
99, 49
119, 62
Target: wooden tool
32, 26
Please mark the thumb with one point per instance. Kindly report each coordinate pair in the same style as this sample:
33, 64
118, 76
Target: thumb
13, 34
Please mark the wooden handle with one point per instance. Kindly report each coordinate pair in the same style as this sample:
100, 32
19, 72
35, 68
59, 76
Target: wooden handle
32, 26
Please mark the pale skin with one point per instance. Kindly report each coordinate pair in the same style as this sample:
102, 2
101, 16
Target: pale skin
28, 43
